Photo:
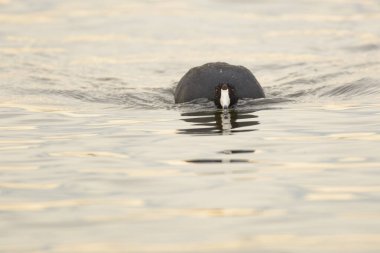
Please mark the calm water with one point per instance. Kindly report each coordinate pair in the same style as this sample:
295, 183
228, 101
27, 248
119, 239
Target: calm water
95, 157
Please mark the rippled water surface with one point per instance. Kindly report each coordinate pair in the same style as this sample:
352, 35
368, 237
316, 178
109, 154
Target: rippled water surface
96, 157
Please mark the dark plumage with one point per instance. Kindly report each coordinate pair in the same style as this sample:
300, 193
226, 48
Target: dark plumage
200, 82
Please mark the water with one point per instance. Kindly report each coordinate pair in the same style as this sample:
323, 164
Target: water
96, 157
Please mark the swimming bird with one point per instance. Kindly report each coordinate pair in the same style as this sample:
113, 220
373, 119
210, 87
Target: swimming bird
220, 82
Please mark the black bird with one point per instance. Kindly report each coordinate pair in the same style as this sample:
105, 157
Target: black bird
220, 82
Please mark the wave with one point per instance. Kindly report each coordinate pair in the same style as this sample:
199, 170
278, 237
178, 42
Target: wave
362, 87
114, 91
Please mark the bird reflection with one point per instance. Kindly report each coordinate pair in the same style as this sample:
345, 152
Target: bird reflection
219, 122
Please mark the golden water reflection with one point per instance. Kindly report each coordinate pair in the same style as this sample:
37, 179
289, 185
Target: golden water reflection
276, 242
17, 206
86, 167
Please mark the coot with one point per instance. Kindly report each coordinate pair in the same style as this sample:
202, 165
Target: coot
220, 82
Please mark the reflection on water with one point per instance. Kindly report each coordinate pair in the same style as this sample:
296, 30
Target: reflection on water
238, 151
219, 122
219, 161
95, 154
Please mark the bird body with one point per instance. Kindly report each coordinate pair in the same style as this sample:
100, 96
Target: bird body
207, 81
